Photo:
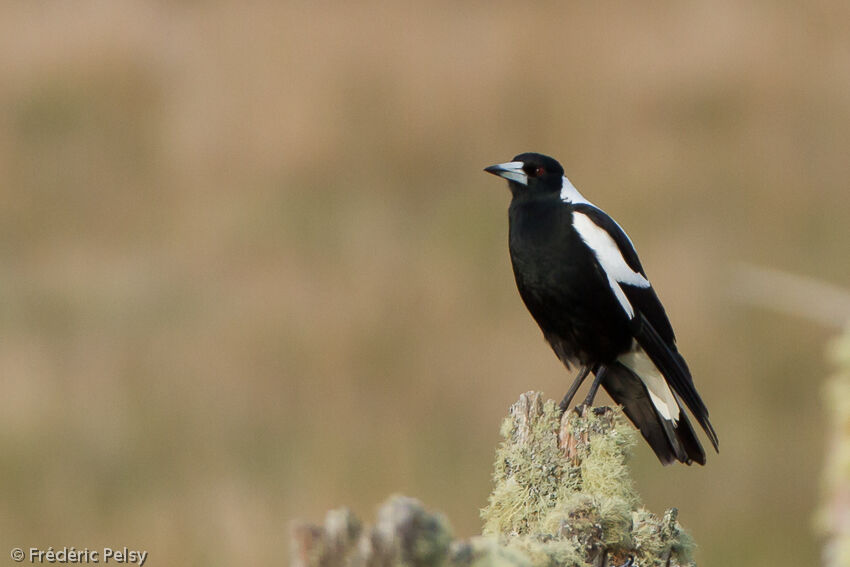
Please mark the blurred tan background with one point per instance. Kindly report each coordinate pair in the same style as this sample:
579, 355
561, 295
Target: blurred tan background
251, 268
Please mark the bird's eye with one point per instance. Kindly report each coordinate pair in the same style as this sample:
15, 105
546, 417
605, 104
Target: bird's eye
534, 170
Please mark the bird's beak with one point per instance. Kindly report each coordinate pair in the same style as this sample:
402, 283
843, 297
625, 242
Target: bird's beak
512, 171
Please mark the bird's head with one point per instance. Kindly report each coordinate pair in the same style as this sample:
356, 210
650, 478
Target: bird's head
530, 172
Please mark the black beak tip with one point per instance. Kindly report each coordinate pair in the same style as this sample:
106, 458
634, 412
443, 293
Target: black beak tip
494, 169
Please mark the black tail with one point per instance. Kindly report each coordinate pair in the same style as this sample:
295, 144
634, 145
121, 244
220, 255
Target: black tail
671, 441
675, 371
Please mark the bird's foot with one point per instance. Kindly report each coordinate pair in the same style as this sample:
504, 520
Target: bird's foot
582, 409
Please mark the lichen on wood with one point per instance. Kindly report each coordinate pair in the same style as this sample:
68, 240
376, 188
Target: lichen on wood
562, 496
563, 492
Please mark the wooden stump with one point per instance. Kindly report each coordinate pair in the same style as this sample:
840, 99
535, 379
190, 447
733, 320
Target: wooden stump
562, 496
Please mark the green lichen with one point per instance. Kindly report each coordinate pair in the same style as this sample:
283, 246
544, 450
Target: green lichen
483, 551
562, 497
655, 540
563, 492
406, 531
545, 551
530, 474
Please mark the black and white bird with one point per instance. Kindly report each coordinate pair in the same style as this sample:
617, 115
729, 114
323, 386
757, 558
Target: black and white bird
579, 275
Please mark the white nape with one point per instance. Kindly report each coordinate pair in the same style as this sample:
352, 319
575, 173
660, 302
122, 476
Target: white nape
569, 193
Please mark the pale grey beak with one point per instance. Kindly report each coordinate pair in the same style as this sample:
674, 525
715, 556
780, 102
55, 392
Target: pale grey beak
512, 171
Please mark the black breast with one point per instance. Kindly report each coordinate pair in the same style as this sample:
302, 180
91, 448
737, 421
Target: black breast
563, 286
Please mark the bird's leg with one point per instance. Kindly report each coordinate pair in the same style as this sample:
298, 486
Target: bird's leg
568, 397
600, 373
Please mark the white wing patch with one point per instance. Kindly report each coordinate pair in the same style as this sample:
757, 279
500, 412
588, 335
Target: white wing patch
609, 257
662, 397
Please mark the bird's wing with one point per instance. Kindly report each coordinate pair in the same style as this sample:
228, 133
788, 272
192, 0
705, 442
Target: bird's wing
671, 364
643, 299
650, 325
610, 226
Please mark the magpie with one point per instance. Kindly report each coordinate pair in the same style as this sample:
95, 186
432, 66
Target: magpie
580, 277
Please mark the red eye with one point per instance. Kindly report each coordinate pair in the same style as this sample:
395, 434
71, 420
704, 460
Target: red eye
539, 172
